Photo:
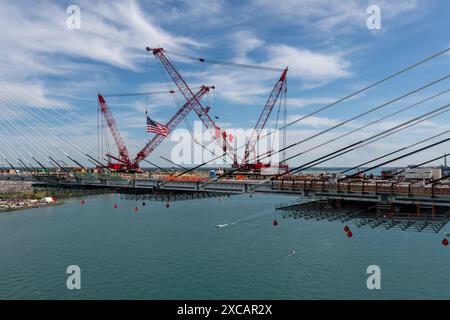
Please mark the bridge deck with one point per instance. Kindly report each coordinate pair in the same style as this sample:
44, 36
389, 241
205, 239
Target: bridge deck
358, 190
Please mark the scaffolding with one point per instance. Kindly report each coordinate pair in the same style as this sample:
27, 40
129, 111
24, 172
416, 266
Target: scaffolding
381, 215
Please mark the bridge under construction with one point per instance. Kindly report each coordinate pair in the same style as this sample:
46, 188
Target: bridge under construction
367, 202
54, 158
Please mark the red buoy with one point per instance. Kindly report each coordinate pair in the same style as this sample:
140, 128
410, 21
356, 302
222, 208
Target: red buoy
346, 229
167, 205
349, 234
445, 242
136, 209
275, 222
82, 201
115, 205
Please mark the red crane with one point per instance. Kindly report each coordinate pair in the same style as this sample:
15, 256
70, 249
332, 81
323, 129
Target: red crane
123, 159
262, 120
195, 104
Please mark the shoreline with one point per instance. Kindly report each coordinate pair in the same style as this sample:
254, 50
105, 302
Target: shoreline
12, 200
40, 205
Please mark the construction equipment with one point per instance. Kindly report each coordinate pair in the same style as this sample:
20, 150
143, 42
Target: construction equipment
124, 163
123, 160
216, 132
171, 125
219, 135
262, 120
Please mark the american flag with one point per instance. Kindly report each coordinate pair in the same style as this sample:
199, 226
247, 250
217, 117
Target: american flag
153, 126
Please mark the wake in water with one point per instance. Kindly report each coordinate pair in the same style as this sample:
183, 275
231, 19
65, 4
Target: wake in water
246, 219
224, 225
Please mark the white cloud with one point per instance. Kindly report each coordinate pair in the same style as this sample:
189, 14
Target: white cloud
253, 86
329, 18
243, 42
38, 46
30, 94
303, 102
112, 32
313, 121
190, 13
308, 65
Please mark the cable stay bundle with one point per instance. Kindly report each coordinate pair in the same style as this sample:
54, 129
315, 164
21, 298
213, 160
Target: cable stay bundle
360, 143
351, 95
373, 138
420, 164
38, 122
397, 158
342, 123
41, 147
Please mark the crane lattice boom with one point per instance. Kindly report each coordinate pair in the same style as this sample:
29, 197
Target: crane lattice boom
122, 148
194, 103
171, 124
254, 137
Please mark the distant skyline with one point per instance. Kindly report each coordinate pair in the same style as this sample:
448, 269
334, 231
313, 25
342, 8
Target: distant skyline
327, 46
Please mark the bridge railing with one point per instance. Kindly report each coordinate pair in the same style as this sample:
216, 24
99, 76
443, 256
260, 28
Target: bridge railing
361, 186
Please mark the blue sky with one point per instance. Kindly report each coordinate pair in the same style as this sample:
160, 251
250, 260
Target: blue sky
326, 44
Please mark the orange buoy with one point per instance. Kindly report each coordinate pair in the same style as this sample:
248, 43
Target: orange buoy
275, 222
136, 209
349, 234
445, 242
346, 229
115, 205
82, 201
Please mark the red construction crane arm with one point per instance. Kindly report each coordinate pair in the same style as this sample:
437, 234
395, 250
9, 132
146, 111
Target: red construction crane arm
171, 125
194, 102
123, 151
254, 137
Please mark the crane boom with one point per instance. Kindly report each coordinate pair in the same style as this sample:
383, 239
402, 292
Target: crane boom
264, 116
194, 103
171, 124
121, 147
